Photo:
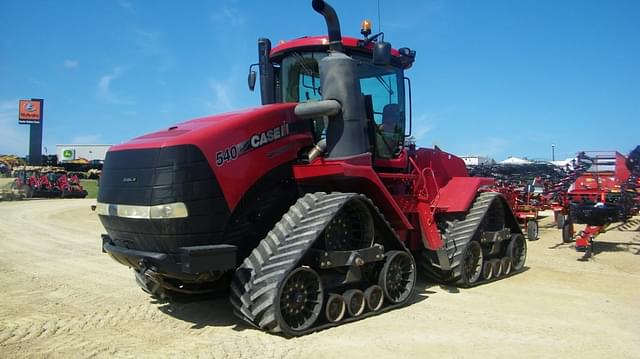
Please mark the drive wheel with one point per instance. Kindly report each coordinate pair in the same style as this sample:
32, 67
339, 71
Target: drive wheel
335, 309
300, 299
352, 228
398, 276
471, 263
533, 230
517, 251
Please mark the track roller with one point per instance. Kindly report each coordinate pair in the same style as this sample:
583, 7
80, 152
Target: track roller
398, 276
355, 302
506, 265
497, 267
335, 308
375, 297
487, 270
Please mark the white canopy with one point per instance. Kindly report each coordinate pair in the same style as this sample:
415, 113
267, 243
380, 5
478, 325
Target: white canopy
515, 161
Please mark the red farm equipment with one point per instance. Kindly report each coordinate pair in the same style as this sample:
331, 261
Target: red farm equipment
525, 188
47, 182
603, 193
310, 209
70, 186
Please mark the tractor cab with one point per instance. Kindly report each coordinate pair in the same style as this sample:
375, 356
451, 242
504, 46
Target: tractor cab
290, 72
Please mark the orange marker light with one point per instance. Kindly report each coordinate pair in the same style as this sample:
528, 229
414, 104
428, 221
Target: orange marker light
365, 29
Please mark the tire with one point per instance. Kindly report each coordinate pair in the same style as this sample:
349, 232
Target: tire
567, 232
533, 233
560, 220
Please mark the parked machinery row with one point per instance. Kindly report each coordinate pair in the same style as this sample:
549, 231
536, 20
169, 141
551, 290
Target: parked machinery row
47, 182
525, 186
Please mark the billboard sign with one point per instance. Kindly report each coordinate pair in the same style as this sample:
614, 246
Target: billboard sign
30, 111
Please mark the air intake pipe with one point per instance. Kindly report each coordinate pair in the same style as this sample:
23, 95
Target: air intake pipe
346, 131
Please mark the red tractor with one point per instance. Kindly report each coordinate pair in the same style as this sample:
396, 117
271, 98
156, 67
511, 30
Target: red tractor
311, 209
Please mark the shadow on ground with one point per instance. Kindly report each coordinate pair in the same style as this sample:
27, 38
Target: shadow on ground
204, 311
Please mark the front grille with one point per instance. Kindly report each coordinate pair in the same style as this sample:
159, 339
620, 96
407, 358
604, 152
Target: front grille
163, 175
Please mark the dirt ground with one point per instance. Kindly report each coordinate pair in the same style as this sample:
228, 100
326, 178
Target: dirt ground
62, 297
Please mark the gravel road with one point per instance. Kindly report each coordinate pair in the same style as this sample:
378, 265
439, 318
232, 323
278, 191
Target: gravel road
62, 297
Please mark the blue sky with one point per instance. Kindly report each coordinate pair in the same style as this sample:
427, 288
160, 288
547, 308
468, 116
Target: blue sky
495, 78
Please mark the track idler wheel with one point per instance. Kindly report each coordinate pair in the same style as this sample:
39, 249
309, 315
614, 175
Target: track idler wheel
300, 299
355, 302
497, 267
506, 265
375, 297
487, 270
517, 251
472, 258
335, 308
398, 276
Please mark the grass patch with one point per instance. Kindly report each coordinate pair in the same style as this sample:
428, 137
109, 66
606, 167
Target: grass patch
5, 183
91, 186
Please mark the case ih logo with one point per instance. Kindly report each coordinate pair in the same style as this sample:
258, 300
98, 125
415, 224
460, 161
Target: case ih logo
30, 111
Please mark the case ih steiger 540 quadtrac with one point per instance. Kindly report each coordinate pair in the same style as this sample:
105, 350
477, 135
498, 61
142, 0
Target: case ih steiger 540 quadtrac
309, 209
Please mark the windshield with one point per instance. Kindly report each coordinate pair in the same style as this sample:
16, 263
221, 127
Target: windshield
300, 82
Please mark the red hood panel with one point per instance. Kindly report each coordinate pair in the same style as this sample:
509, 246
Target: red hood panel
206, 129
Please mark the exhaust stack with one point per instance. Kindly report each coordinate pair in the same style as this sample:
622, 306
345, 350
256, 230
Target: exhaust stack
333, 25
346, 131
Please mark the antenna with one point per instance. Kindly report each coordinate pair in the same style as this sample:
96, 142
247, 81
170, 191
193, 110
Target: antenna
379, 23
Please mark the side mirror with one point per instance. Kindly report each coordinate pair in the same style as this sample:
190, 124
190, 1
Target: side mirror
251, 79
381, 53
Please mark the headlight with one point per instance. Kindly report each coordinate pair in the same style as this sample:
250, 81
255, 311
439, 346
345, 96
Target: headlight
161, 211
171, 210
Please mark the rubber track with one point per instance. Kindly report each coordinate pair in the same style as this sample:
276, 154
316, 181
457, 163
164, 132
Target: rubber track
255, 286
456, 236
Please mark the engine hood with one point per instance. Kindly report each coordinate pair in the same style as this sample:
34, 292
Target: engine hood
212, 129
